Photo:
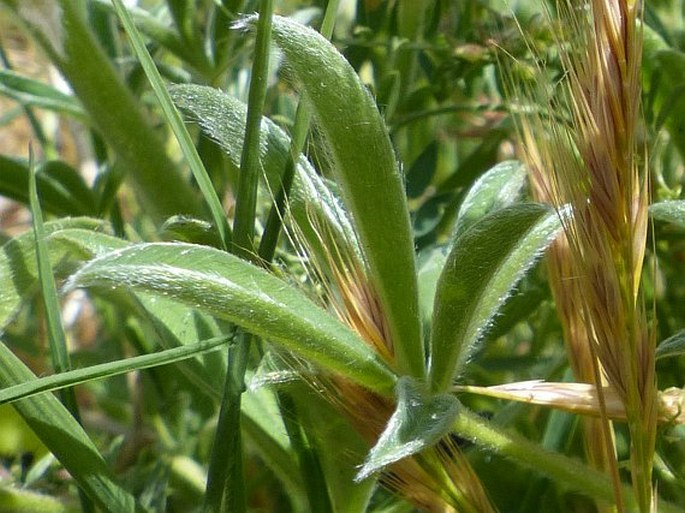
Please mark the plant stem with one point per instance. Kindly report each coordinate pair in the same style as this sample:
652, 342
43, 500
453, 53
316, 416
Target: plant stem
569, 472
225, 480
56, 336
246, 201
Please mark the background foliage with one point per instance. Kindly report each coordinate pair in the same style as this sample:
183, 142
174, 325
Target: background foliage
415, 183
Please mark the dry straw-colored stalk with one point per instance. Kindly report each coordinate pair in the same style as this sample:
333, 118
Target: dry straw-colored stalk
582, 147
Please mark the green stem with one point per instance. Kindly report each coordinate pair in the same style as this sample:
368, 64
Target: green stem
246, 201
56, 336
569, 472
303, 116
225, 479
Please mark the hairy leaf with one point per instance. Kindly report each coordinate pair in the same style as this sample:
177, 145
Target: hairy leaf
483, 268
230, 288
365, 167
419, 421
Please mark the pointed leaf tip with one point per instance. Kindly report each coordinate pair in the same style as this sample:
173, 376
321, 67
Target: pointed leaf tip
420, 420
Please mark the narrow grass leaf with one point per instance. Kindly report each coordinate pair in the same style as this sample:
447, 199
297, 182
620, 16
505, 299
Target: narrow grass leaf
483, 267
229, 288
366, 169
56, 337
65, 438
57, 340
107, 370
419, 421
497, 188
176, 123
18, 270
669, 212
30, 92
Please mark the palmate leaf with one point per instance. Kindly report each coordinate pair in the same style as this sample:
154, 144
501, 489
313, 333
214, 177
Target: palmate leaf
178, 326
484, 266
229, 288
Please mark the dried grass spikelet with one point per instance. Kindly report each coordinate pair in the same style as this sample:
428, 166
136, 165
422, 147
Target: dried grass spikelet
582, 398
439, 479
582, 149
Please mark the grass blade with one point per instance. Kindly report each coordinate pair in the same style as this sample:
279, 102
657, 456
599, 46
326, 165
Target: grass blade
65, 438
56, 337
110, 369
33, 93
176, 124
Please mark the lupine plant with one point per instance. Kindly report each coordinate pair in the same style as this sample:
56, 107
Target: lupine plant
316, 279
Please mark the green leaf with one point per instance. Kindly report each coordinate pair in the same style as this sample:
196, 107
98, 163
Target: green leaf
62, 190
431, 262
174, 120
229, 288
12, 499
672, 346
37, 94
189, 229
18, 274
419, 421
366, 169
483, 268
222, 118
65, 438
107, 370
669, 211
497, 188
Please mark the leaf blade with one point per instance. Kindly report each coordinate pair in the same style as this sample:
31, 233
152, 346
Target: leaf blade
229, 288
370, 180
483, 267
